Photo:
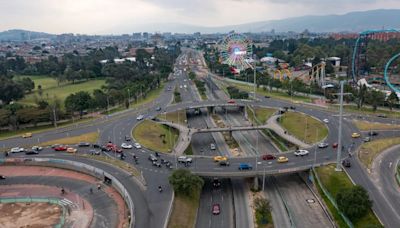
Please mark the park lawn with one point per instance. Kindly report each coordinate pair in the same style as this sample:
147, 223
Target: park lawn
304, 127
156, 137
262, 114
367, 126
150, 97
175, 117
184, 211
370, 150
63, 91
91, 137
45, 81
334, 182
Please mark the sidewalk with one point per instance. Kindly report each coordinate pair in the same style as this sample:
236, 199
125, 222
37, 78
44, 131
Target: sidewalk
185, 136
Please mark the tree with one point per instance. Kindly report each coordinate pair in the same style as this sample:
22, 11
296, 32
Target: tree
27, 84
374, 98
354, 202
10, 90
185, 183
263, 209
78, 102
393, 99
362, 92
99, 99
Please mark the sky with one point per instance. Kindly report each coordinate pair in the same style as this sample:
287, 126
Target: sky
125, 16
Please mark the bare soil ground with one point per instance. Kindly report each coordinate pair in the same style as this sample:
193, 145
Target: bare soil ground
34, 215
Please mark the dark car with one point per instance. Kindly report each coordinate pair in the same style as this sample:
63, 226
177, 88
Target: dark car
127, 138
60, 148
216, 183
2, 177
96, 146
158, 109
372, 133
224, 163
382, 115
268, 157
335, 145
245, 166
152, 158
83, 144
31, 152
346, 163
267, 96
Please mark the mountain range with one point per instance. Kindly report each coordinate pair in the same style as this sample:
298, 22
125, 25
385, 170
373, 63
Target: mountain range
349, 22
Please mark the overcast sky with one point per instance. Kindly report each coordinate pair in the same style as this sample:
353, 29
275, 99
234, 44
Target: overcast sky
115, 16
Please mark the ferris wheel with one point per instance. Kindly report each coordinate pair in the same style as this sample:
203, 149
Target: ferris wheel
236, 51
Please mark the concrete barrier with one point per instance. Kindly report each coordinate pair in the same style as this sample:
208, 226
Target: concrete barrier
79, 167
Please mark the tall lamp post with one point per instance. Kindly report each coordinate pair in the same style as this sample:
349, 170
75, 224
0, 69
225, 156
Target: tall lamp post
255, 79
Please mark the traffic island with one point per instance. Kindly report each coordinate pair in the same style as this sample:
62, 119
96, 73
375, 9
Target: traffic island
368, 126
303, 127
178, 117
370, 150
155, 136
91, 137
329, 184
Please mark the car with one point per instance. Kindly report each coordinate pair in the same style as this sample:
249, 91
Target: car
27, 135
220, 158
17, 150
110, 145
83, 144
335, 145
185, 159
268, 157
323, 145
71, 150
155, 163
267, 96
231, 102
216, 209
2, 177
31, 152
216, 183
126, 146
282, 159
116, 149
103, 148
158, 109
140, 117
55, 145
372, 133
366, 139
301, 152
346, 163
37, 148
224, 163
95, 152
60, 148
355, 135
212, 146
245, 166
137, 145
127, 138
152, 158
96, 145
325, 120
382, 116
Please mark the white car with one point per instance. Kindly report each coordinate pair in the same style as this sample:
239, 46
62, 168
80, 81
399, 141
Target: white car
184, 159
325, 120
37, 148
126, 146
17, 150
137, 145
212, 146
301, 152
323, 145
140, 117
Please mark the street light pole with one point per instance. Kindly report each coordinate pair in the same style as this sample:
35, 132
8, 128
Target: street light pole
255, 80
339, 151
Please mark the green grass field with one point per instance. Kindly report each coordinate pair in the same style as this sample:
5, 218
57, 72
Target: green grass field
175, 117
50, 88
155, 136
262, 114
335, 181
370, 150
184, 211
304, 127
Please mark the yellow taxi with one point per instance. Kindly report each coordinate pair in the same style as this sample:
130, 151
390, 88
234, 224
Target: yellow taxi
71, 150
355, 135
282, 159
27, 135
220, 158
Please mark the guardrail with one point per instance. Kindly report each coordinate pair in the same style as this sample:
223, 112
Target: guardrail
79, 167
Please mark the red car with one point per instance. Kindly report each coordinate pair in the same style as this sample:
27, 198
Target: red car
268, 157
60, 148
231, 102
335, 145
216, 209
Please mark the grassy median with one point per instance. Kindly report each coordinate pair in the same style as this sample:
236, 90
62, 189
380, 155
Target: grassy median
155, 136
370, 150
88, 137
261, 114
334, 182
184, 211
304, 127
367, 126
175, 117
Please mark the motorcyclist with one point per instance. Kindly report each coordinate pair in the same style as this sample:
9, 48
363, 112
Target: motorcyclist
160, 188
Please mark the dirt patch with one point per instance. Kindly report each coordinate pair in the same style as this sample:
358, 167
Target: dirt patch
29, 215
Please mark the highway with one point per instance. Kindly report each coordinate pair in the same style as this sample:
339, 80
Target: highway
149, 214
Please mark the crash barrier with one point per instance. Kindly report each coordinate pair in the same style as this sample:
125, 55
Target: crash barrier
39, 200
79, 167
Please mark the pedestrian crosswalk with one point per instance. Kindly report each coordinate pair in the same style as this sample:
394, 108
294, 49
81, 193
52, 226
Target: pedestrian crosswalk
67, 202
